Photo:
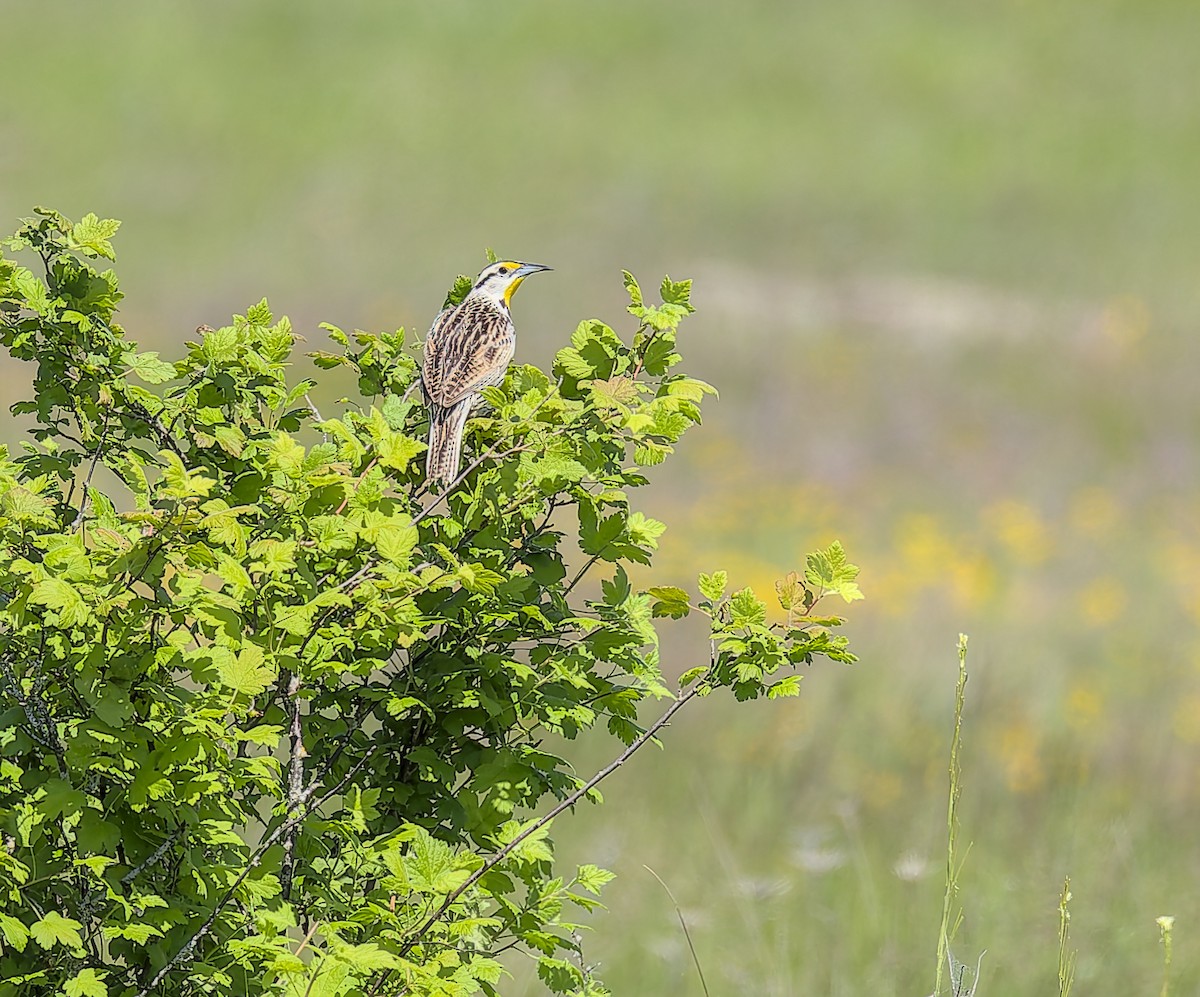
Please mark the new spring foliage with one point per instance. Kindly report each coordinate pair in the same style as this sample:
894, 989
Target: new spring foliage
273, 718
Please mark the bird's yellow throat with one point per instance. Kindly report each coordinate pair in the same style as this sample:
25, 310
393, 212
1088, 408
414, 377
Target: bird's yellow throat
511, 290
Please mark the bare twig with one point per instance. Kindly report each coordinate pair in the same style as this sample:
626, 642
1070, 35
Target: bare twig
295, 786
312, 407
41, 726
154, 858
583, 571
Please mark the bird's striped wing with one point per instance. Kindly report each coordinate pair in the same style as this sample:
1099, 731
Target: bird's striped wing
468, 347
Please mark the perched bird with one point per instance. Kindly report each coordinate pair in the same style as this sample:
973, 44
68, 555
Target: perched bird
468, 348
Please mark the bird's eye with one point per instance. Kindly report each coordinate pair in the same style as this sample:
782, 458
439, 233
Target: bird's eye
503, 270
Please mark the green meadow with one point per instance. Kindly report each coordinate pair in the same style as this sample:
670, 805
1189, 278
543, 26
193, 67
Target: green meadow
947, 261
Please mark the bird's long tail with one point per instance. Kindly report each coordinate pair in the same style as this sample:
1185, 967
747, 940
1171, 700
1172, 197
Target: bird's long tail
446, 427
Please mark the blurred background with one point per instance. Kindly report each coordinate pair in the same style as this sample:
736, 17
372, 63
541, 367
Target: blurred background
947, 272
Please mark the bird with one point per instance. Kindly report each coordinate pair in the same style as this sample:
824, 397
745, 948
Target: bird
469, 347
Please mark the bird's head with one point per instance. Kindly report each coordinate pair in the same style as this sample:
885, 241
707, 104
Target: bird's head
500, 280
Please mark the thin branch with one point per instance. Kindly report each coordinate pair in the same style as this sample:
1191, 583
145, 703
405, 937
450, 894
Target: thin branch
584, 570
312, 407
87, 483
255, 859
641, 360
295, 786
489, 452
566, 804
154, 858
346, 501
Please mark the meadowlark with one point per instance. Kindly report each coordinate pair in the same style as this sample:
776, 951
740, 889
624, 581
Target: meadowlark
469, 347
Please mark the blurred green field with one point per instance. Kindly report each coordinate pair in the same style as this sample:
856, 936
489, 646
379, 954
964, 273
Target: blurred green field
947, 271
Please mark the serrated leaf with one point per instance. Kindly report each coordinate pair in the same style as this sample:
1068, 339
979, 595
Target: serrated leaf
712, 587
57, 595
150, 369
396, 541
787, 686
458, 290
287, 455
677, 292
829, 570
615, 393
593, 879
54, 929
554, 467
634, 289
669, 600
395, 410
791, 592
86, 983
746, 609
248, 672
570, 361
219, 345
396, 450
32, 289
139, 933
230, 439
14, 931
260, 314
267, 735
91, 235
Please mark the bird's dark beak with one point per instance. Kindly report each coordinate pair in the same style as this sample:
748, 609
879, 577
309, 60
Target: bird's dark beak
525, 269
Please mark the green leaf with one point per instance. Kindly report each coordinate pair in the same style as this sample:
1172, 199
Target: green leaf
91, 235
54, 929
396, 450
58, 596
267, 735
459, 289
395, 410
570, 361
86, 983
712, 587
219, 345
677, 292
287, 456
829, 570
592, 878
395, 542
615, 393
260, 314
368, 957
14, 931
139, 933
231, 439
596, 537
246, 673
32, 289
150, 369
669, 600
635, 291
787, 686
746, 609
559, 975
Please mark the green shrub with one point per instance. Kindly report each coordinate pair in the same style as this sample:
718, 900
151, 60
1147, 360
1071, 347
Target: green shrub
275, 720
